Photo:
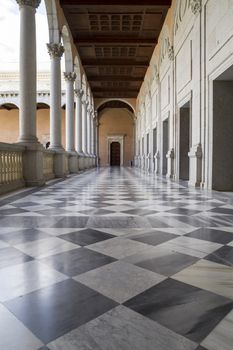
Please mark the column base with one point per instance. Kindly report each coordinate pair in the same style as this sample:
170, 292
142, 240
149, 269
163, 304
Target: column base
59, 164
170, 163
33, 164
73, 162
157, 163
195, 167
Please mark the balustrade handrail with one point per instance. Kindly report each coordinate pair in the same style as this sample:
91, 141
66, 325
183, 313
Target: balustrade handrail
11, 147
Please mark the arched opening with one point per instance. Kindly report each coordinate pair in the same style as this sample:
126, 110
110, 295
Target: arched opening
116, 134
9, 121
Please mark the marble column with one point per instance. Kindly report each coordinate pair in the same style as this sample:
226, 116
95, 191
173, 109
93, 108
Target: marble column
33, 156
89, 130
78, 128
70, 142
56, 51
84, 122
78, 120
70, 78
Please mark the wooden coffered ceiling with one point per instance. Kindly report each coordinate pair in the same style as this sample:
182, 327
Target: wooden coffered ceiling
115, 40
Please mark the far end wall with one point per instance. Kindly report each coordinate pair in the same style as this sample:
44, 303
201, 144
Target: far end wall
114, 122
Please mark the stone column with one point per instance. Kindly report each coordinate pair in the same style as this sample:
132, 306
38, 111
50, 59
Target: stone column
33, 156
84, 123
70, 144
78, 118
78, 128
89, 131
70, 78
56, 51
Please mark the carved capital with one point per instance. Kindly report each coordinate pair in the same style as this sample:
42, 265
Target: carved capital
78, 93
55, 50
171, 53
32, 3
71, 76
195, 6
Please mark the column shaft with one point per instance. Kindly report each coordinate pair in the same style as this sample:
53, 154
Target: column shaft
78, 123
55, 51
70, 78
84, 119
27, 67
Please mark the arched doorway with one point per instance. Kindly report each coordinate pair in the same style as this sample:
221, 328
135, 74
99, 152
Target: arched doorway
115, 154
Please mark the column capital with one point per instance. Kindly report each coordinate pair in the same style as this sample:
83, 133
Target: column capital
71, 76
32, 3
78, 93
195, 6
55, 50
171, 53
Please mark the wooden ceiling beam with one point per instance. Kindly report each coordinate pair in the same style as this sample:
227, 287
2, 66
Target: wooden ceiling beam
116, 2
93, 78
114, 39
114, 89
113, 62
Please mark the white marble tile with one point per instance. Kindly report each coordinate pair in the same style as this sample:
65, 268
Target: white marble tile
14, 335
221, 338
59, 231
3, 244
45, 247
192, 246
210, 276
122, 329
120, 281
24, 278
118, 247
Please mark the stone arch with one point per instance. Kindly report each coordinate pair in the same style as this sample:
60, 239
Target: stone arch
84, 86
51, 9
77, 69
69, 66
115, 99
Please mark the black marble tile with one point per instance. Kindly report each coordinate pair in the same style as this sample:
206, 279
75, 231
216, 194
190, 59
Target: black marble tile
201, 348
187, 310
154, 238
222, 211
141, 212
23, 236
44, 348
183, 211
223, 255
169, 264
12, 211
209, 234
10, 256
86, 237
24, 204
56, 310
77, 261
72, 221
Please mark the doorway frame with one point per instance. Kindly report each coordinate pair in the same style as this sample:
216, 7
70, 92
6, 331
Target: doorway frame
110, 140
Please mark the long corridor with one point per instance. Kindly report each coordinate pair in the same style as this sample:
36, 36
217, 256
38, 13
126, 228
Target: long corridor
115, 259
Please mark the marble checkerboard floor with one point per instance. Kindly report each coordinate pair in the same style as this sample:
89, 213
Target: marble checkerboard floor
116, 259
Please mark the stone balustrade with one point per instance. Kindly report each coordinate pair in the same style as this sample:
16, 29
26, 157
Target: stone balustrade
11, 167
48, 164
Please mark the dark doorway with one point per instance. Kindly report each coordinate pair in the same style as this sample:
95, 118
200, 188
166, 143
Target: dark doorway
184, 141
165, 144
222, 178
115, 154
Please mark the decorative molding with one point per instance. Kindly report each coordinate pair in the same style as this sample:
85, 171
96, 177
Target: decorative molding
196, 6
71, 76
55, 50
32, 3
171, 53
78, 93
